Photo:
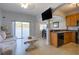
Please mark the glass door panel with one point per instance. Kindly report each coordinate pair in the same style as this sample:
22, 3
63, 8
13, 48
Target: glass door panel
25, 26
18, 31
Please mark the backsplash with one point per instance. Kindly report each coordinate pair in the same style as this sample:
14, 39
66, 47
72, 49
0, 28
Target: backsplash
61, 21
73, 28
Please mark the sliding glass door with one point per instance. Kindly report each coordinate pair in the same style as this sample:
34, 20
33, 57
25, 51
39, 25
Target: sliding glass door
22, 29
25, 29
18, 30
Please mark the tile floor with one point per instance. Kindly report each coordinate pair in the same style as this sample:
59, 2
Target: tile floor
44, 49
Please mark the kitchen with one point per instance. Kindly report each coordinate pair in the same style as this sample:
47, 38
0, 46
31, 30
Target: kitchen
64, 27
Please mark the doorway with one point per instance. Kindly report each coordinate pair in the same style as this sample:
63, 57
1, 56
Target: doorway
22, 30
43, 30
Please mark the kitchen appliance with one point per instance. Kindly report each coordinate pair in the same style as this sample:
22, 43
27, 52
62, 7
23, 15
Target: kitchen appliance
60, 39
77, 33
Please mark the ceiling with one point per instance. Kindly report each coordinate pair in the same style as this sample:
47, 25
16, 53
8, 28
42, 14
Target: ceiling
69, 8
33, 8
38, 8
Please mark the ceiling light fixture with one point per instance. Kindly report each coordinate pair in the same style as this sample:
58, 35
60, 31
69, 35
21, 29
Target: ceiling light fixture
24, 5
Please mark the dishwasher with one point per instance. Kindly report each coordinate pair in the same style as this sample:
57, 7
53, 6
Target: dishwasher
60, 39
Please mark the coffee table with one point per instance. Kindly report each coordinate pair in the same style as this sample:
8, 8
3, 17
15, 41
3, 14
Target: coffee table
32, 44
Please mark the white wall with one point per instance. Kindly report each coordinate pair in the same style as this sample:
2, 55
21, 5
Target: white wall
38, 20
61, 20
73, 28
10, 17
0, 17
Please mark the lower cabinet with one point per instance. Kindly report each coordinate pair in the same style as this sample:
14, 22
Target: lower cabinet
59, 39
69, 37
73, 37
53, 38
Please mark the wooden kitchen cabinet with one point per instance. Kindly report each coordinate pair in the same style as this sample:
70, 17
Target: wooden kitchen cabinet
69, 37
68, 22
53, 38
71, 20
73, 37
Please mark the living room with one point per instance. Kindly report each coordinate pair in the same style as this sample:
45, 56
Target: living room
13, 13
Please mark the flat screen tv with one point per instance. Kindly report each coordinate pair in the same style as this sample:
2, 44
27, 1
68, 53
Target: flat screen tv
47, 14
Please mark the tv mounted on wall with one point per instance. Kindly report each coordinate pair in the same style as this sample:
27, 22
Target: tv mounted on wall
47, 14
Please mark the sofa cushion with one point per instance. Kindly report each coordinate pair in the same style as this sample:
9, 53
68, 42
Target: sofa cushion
3, 34
1, 39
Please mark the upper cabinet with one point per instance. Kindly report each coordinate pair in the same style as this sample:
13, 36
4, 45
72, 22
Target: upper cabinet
68, 22
71, 20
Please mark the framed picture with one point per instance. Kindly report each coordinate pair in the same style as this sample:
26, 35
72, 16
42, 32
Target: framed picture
56, 24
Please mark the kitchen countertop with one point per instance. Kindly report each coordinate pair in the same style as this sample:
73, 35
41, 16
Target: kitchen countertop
62, 31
